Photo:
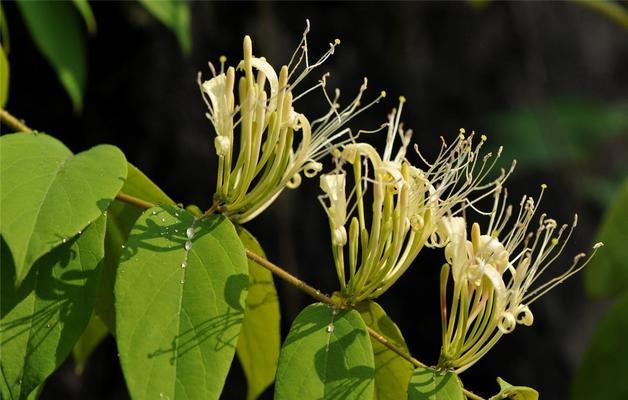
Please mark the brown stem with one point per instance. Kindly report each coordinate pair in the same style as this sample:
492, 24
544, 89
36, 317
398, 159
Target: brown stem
13, 122
293, 280
126, 198
215, 207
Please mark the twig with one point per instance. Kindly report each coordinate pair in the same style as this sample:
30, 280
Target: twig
13, 122
126, 198
293, 280
215, 207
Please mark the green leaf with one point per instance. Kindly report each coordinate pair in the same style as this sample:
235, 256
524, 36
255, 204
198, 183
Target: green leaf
428, 384
602, 373
607, 274
508, 391
49, 195
260, 338
178, 311
57, 31
175, 15
88, 16
120, 219
92, 336
4, 30
392, 373
44, 317
4, 78
327, 355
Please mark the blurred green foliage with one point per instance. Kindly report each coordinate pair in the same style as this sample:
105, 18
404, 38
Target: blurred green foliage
87, 14
561, 131
174, 14
56, 30
603, 369
608, 273
602, 373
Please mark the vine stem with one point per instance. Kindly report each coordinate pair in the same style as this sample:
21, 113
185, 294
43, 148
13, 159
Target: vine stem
13, 122
276, 270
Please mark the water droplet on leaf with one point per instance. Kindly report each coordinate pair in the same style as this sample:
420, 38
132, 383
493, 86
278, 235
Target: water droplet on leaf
188, 245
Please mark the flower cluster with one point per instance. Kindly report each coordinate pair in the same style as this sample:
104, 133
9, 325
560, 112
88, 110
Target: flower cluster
383, 209
495, 277
276, 142
408, 205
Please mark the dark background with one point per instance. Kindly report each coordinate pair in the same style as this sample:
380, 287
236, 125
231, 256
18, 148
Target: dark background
458, 64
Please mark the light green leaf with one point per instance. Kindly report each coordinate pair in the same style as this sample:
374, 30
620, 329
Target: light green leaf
44, 317
120, 219
259, 342
4, 31
392, 373
88, 16
607, 274
508, 391
327, 355
4, 78
428, 384
179, 307
602, 373
48, 195
175, 15
92, 336
56, 29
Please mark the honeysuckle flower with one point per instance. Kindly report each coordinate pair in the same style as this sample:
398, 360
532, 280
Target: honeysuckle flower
495, 277
408, 206
262, 141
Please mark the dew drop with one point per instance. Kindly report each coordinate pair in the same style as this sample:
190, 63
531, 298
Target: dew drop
176, 230
330, 328
184, 264
176, 214
182, 280
104, 213
188, 245
48, 325
163, 219
123, 246
64, 240
154, 212
79, 232
189, 232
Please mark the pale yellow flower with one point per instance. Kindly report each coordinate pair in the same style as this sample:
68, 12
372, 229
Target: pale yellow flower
495, 277
409, 206
262, 141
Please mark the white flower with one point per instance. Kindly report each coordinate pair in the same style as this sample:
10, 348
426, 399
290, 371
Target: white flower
276, 142
334, 187
493, 278
410, 208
